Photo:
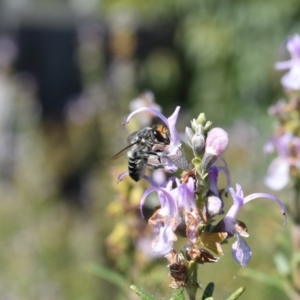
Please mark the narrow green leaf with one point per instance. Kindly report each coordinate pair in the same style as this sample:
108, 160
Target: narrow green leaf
108, 275
280, 283
208, 291
237, 293
142, 293
263, 277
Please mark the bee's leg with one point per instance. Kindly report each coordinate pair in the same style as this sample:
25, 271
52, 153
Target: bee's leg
153, 161
155, 166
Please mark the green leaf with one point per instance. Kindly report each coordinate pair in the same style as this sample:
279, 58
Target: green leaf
208, 291
142, 293
237, 293
262, 277
280, 283
108, 275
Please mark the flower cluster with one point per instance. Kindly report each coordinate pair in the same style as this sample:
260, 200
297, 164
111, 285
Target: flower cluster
188, 204
286, 139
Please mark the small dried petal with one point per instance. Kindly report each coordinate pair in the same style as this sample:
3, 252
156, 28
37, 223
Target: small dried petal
178, 269
200, 255
241, 228
212, 240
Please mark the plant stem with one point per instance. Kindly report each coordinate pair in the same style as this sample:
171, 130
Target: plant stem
295, 233
296, 202
192, 283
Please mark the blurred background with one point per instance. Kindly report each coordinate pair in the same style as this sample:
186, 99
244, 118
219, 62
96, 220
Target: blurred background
68, 73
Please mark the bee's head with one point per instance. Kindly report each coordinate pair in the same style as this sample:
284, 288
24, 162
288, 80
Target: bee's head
161, 134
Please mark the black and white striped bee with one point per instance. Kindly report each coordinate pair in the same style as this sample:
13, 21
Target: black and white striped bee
144, 150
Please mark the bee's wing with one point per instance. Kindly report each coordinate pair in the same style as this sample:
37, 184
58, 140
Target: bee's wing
120, 153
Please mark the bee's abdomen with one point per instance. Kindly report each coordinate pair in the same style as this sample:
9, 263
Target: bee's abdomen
136, 166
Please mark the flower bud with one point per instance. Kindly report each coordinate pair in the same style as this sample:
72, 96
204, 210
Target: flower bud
216, 141
200, 129
194, 124
214, 206
207, 161
198, 144
189, 133
207, 126
201, 119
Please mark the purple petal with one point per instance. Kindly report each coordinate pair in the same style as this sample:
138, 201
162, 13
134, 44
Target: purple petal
269, 147
159, 176
168, 203
213, 179
278, 174
216, 141
169, 166
185, 196
241, 252
293, 46
238, 201
122, 175
170, 122
284, 65
269, 196
172, 127
145, 195
149, 109
164, 240
291, 80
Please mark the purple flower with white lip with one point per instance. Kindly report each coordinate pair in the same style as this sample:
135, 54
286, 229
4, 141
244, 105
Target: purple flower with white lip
213, 178
291, 80
214, 204
279, 170
168, 217
241, 252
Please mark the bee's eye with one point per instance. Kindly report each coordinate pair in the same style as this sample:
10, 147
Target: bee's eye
158, 136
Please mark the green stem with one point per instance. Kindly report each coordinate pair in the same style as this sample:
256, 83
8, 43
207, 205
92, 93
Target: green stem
192, 282
296, 202
295, 233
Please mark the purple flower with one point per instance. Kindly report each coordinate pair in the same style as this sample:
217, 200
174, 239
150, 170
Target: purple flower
291, 80
214, 204
241, 252
286, 146
174, 202
216, 143
213, 177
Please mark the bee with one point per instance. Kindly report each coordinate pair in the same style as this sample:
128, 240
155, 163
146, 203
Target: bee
141, 153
